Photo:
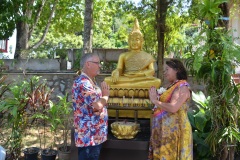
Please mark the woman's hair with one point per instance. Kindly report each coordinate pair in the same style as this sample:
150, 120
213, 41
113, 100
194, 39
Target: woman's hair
178, 66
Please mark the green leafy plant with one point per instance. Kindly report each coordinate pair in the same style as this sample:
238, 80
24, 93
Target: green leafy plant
209, 11
40, 100
3, 89
46, 114
53, 119
16, 107
3, 86
201, 125
57, 116
65, 111
214, 63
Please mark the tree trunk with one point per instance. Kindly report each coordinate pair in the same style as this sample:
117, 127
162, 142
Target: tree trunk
162, 6
225, 13
22, 40
88, 25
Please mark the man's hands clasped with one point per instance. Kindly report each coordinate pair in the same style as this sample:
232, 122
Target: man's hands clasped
103, 100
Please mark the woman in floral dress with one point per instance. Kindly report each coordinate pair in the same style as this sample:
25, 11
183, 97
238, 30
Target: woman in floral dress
171, 136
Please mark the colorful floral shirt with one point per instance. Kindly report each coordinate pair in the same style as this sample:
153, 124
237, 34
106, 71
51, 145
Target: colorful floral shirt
90, 129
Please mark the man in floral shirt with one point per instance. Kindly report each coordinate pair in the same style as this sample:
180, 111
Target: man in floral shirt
90, 112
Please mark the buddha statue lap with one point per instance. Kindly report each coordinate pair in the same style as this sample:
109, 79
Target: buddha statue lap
134, 74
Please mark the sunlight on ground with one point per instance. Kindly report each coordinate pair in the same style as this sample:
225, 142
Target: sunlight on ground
32, 139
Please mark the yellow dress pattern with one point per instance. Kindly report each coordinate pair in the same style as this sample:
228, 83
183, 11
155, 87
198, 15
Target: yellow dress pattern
171, 136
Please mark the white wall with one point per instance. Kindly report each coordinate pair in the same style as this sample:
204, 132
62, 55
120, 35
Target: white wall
234, 23
11, 47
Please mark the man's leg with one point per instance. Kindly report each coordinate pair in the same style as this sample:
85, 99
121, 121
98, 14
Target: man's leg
89, 153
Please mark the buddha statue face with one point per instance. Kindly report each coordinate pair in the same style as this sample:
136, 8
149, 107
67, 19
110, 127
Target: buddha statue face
135, 41
135, 38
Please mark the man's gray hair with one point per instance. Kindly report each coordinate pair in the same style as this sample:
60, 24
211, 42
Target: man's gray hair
85, 58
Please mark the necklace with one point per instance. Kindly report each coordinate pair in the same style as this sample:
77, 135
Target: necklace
92, 81
172, 84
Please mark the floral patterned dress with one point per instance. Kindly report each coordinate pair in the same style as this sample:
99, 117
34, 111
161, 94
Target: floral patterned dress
171, 136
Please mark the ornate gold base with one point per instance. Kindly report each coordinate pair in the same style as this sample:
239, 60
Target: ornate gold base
129, 92
129, 102
129, 107
125, 130
126, 107
129, 113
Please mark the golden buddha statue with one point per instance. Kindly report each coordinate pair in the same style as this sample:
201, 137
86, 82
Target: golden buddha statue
134, 74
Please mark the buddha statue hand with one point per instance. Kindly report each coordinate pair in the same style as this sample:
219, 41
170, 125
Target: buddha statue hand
115, 75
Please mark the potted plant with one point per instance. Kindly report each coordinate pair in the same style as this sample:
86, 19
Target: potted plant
65, 111
58, 117
46, 113
53, 119
15, 106
31, 153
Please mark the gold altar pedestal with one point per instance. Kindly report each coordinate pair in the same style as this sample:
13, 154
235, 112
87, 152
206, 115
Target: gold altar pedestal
125, 130
129, 113
128, 92
129, 108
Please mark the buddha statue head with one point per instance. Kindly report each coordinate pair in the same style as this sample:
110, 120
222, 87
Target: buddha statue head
135, 38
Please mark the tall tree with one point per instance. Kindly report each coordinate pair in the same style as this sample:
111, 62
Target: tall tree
24, 16
88, 27
162, 7
28, 13
29, 16
25, 29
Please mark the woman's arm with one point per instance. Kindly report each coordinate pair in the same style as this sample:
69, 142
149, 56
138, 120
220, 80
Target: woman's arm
179, 97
